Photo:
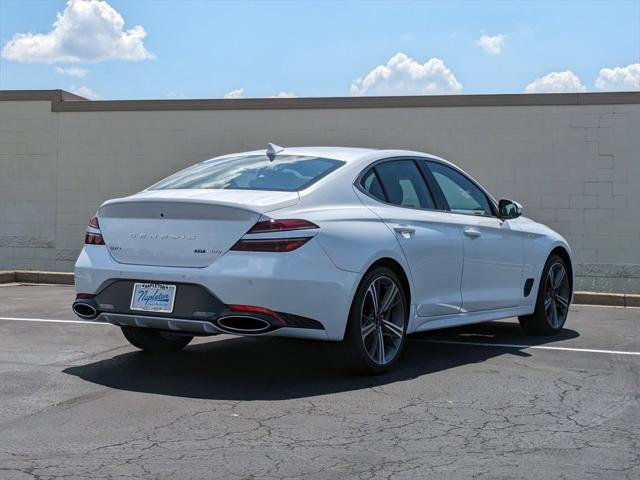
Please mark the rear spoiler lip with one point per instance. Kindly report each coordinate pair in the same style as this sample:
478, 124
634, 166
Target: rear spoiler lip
254, 208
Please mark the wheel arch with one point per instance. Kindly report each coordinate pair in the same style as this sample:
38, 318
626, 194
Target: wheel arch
563, 253
398, 269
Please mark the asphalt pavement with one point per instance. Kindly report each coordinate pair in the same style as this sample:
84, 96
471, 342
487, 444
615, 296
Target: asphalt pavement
484, 401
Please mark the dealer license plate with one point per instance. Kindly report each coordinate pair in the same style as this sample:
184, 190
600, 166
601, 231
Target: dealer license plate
153, 297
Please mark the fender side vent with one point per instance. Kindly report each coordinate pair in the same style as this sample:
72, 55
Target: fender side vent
528, 285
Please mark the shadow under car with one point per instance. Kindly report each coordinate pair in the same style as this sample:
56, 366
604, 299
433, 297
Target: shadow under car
252, 368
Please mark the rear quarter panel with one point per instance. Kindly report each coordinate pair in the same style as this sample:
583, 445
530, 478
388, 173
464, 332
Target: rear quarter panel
352, 236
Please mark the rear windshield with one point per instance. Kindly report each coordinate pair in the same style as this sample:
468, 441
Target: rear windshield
256, 172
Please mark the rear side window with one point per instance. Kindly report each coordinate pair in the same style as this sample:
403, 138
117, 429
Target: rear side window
255, 172
372, 186
462, 195
403, 184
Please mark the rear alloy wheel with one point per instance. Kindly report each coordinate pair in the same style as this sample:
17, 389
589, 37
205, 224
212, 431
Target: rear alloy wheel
377, 324
151, 340
553, 301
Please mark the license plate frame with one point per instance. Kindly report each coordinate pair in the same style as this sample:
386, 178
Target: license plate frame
153, 297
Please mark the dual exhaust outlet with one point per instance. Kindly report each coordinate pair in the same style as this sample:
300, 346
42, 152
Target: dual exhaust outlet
85, 309
233, 323
242, 324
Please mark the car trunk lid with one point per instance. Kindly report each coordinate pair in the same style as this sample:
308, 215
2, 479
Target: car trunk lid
183, 228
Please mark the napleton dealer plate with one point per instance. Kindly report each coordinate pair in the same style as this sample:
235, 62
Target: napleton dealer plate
153, 297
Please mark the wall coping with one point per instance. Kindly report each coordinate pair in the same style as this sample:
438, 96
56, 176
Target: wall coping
62, 101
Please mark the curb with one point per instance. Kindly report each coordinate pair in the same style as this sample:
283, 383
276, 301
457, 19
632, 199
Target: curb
27, 276
7, 277
608, 299
66, 278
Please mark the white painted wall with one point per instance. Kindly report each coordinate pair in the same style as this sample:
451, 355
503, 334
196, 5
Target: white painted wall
575, 168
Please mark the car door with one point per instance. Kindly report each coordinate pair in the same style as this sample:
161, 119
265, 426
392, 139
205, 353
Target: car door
493, 248
398, 194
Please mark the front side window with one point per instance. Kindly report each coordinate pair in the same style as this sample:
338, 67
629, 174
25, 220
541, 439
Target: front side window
254, 172
462, 195
398, 182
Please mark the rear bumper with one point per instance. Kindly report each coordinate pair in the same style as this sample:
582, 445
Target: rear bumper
199, 327
195, 311
303, 283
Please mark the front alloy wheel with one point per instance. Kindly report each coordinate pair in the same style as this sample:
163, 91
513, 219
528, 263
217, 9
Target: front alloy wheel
553, 300
377, 324
557, 295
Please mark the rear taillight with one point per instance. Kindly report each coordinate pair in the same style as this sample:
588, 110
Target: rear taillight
270, 245
93, 235
281, 225
281, 244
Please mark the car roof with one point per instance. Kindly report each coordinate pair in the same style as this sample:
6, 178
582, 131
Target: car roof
336, 153
355, 156
347, 154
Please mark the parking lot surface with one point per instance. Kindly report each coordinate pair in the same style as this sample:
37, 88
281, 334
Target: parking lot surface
484, 401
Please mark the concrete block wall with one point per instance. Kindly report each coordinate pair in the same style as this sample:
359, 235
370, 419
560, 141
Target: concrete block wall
28, 187
575, 167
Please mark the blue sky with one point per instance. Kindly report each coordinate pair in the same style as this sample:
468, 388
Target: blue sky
206, 49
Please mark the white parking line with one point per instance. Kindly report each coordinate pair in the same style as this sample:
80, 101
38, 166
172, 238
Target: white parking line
423, 340
50, 320
538, 347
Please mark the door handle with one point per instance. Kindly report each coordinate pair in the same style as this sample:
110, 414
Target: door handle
406, 232
472, 232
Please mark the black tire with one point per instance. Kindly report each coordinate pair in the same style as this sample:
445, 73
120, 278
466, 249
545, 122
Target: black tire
151, 340
355, 353
554, 298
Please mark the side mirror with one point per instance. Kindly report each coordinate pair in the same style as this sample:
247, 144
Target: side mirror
509, 209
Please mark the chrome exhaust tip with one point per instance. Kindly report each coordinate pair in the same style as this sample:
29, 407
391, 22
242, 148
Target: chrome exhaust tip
85, 310
243, 324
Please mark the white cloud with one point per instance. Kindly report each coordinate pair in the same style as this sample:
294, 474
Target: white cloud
619, 78
284, 95
72, 72
238, 93
173, 95
402, 75
85, 92
87, 31
491, 44
556, 82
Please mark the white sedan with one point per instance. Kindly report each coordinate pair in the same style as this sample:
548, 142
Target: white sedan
355, 246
